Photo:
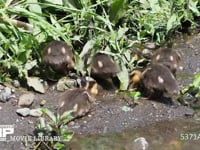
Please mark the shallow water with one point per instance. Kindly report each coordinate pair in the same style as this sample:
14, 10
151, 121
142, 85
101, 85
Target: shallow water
180, 134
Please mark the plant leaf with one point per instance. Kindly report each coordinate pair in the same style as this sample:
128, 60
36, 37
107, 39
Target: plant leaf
193, 6
117, 10
66, 116
34, 7
89, 45
171, 22
49, 113
196, 80
58, 2
123, 76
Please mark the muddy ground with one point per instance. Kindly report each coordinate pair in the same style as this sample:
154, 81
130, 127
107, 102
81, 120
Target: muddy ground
107, 114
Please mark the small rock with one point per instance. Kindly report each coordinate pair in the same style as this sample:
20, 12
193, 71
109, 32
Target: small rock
16, 83
46, 86
0, 108
30, 122
65, 83
43, 102
26, 100
189, 112
72, 123
8, 90
5, 94
138, 144
23, 111
35, 112
1, 87
141, 143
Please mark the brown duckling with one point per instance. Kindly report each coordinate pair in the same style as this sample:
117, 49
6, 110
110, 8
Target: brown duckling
104, 66
104, 70
157, 79
79, 99
58, 56
169, 58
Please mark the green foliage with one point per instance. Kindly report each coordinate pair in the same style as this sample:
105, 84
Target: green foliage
194, 87
117, 10
135, 95
157, 19
89, 26
54, 126
190, 94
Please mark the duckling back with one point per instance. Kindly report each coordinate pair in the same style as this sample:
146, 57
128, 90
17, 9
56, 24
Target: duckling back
103, 65
169, 58
157, 77
77, 100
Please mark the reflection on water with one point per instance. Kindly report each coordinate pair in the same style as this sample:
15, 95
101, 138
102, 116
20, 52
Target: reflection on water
181, 134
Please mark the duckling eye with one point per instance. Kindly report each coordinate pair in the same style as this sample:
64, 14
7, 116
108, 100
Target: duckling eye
157, 57
63, 50
171, 58
100, 64
49, 50
160, 79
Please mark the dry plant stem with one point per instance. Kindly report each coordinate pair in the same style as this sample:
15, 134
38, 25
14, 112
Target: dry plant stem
20, 24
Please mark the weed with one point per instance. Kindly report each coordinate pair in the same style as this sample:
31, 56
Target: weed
53, 133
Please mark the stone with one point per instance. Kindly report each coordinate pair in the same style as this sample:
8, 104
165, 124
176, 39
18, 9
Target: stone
35, 112
23, 111
26, 100
16, 83
138, 144
5, 94
43, 102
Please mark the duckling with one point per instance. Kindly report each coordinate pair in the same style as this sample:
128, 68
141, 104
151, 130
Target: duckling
135, 79
79, 99
169, 58
104, 70
104, 66
157, 79
57, 55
